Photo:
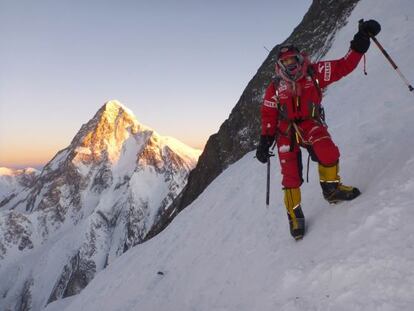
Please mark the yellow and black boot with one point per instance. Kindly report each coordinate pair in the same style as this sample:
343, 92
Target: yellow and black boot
332, 188
294, 212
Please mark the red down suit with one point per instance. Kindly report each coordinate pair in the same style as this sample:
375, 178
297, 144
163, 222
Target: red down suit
291, 111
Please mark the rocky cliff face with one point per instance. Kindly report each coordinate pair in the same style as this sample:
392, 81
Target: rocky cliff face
92, 202
240, 132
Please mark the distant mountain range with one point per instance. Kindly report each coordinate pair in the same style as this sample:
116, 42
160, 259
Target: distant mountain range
92, 202
12, 181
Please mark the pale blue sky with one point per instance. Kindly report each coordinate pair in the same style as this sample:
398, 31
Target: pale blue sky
180, 66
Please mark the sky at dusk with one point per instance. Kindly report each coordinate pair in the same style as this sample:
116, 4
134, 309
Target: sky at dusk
180, 66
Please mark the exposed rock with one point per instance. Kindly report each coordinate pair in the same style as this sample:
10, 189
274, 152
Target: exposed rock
75, 276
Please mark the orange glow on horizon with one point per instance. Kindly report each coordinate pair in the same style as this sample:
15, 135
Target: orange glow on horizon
26, 158
28, 155
38, 156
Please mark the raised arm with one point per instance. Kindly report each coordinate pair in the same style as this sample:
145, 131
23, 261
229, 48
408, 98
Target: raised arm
330, 71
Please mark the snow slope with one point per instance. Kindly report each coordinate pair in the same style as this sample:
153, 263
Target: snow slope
226, 251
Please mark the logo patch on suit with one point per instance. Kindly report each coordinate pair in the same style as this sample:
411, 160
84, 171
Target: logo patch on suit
327, 76
320, 68
282, 86
270, 104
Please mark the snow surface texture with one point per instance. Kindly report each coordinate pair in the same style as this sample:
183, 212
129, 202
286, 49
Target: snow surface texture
92, 202
226, 251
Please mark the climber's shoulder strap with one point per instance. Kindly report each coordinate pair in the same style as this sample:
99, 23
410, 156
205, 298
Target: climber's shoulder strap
276, 82
311, 73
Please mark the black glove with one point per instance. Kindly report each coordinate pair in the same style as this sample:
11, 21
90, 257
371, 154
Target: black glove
361, 41
262, 152
370, 28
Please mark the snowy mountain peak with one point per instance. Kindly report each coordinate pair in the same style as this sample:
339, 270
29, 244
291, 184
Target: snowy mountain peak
104, 135
113, 106
102, 138
113, 110
92, 202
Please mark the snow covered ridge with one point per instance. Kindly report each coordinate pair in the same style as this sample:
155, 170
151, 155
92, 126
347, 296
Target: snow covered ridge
226, 251
4, 171
92, 202
12, 181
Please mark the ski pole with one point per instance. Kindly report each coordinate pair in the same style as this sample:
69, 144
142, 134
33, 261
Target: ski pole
393, 64
388, 57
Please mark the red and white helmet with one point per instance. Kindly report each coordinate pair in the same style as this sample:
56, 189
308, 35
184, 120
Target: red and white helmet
291, 63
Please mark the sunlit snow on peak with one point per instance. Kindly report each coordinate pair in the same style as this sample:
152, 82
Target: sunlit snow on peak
113, 125
113, 106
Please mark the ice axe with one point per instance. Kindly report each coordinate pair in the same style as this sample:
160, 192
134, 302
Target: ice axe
388, 57
268, 180
271, 154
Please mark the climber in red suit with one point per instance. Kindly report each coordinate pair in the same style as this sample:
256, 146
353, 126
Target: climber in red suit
293, 116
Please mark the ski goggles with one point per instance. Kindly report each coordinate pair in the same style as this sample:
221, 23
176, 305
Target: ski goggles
289, 58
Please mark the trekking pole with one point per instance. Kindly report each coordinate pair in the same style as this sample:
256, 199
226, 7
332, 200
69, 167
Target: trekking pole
393, 64
388, 57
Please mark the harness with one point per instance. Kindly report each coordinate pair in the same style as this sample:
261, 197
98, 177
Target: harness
316, 112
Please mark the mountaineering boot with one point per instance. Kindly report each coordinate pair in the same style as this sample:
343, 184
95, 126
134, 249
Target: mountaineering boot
332, 188
294, 212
